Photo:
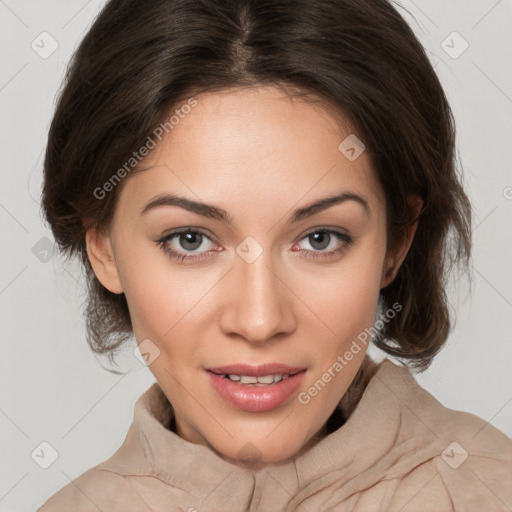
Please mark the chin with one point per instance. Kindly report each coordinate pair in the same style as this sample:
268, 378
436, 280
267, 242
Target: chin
254, 453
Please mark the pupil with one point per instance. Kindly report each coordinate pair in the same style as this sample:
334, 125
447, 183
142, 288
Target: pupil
322, 237
190, 241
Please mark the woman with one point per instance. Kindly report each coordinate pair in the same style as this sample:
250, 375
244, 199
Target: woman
257, 191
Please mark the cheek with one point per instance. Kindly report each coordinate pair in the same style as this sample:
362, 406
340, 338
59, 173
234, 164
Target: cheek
344, 307
344, 300
154, 295
166, 303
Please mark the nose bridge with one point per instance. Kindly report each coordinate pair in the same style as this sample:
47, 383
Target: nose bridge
259, 307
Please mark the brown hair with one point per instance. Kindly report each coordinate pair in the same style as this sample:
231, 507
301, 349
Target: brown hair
142, 58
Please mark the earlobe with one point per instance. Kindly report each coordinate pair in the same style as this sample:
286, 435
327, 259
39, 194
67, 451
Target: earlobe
101, 256
394, 261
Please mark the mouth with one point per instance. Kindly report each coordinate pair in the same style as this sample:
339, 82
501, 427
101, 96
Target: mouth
263, 380
256, 388
260, 370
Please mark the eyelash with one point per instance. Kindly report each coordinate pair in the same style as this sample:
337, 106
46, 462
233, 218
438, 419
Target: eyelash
178, 256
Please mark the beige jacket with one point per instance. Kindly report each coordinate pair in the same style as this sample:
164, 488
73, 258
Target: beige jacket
399, 451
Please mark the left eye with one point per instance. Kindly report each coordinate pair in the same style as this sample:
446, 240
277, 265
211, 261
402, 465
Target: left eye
326, 241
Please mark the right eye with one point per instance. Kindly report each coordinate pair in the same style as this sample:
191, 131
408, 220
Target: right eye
182, 244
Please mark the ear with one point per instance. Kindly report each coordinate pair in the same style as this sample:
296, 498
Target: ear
395, 256
101, 256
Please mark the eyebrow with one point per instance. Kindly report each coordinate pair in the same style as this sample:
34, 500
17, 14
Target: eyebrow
216, 213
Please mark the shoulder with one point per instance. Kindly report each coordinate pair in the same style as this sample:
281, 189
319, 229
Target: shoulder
475, 465
462, 478
466, 464
96, 489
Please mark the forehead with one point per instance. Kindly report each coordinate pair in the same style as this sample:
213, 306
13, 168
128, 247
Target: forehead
254, 143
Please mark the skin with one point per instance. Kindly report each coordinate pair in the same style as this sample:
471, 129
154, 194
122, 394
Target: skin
259, 155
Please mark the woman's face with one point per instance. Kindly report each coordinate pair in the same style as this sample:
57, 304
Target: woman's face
247, 271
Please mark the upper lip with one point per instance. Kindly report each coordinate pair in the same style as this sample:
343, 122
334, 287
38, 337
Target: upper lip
258, 370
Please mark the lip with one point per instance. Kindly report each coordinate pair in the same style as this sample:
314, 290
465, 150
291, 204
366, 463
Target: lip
252, 398
256, 370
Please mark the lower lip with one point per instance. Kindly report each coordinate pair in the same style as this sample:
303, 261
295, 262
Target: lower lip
256, 398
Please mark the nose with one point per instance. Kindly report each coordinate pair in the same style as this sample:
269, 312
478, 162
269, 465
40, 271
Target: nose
257, 303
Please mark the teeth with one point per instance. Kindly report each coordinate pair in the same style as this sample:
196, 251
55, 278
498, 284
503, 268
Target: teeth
248, 380
268, 379
264, 380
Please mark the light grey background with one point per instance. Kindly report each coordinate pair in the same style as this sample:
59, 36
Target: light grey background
53, 389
